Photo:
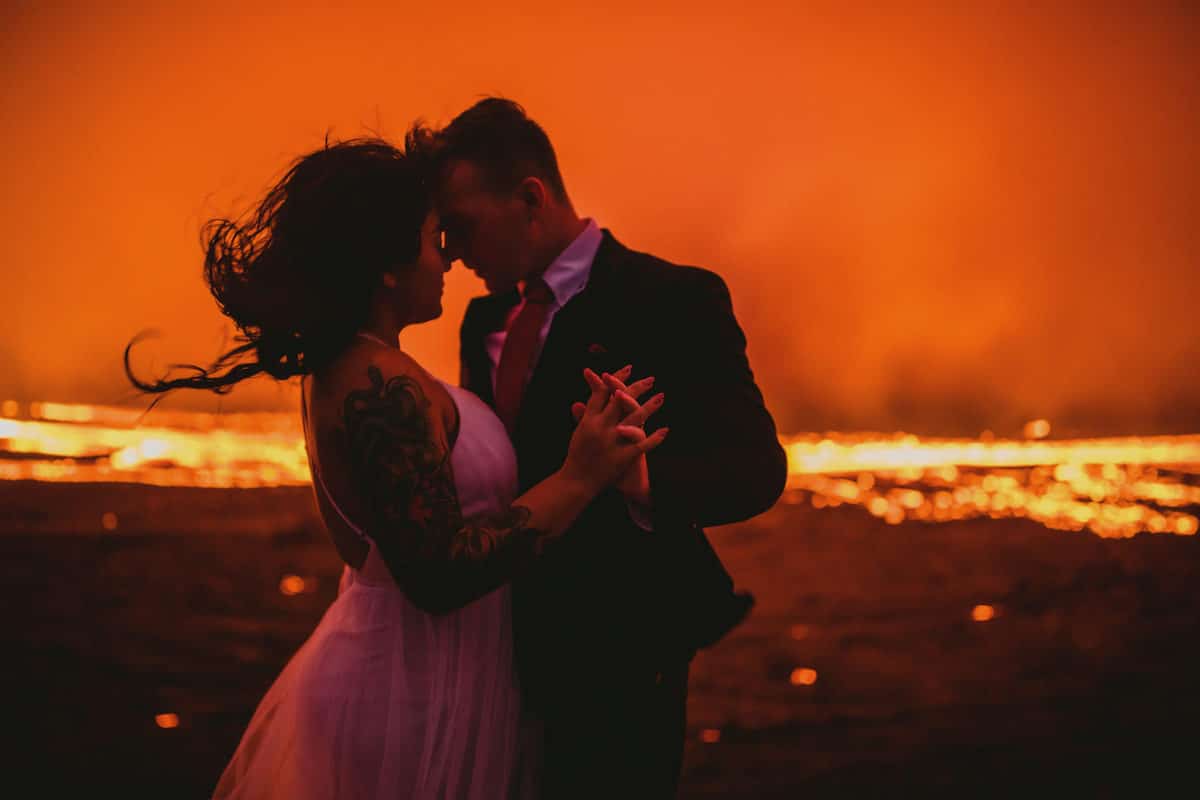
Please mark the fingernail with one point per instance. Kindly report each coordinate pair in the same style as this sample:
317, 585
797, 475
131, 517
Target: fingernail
660, 398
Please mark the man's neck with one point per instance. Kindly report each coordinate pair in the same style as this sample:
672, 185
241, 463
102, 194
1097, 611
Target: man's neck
568, 231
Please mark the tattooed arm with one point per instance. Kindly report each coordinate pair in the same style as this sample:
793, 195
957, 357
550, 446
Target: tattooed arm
401, 461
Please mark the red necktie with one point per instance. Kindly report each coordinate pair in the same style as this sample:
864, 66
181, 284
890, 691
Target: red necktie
520, 343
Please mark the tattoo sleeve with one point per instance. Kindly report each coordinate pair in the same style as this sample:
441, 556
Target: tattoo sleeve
440, 559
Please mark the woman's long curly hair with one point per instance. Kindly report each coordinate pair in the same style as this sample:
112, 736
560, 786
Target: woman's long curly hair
297, 273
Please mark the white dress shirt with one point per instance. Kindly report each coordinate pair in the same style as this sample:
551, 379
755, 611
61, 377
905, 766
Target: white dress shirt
566, 276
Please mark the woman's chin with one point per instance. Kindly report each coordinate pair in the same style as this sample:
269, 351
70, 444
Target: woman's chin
420, 317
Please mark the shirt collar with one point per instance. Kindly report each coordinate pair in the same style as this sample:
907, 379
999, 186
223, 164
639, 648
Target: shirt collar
568, 274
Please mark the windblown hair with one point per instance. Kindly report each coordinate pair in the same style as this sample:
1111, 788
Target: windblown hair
296, 274
496, 135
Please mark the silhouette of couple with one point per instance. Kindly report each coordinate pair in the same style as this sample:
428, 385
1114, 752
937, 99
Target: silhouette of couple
527, 577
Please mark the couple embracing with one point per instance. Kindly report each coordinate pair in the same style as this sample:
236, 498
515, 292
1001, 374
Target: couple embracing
527, 577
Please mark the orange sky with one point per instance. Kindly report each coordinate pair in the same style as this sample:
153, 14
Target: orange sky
929, 221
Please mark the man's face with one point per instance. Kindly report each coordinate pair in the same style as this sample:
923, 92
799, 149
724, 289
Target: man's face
488, 230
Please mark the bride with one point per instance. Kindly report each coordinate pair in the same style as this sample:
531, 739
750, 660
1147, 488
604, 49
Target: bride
407, 687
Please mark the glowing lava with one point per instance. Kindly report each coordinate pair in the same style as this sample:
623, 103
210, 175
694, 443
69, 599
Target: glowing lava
1114, 487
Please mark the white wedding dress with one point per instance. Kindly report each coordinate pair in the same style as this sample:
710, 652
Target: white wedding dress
386, 701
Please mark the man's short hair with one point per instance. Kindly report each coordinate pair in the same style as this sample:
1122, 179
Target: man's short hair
496, 135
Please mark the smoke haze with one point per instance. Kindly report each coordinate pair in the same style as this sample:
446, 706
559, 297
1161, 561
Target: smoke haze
936, 221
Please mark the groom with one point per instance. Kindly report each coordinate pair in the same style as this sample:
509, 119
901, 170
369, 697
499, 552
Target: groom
606, 625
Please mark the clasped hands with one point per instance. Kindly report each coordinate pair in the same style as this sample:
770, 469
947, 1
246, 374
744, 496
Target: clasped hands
634, 483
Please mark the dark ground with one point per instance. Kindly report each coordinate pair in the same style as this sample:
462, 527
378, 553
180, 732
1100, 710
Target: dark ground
1084, 684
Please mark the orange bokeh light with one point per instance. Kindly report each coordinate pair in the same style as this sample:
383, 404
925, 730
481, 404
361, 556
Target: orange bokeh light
291, 585
1037, 429
803, 676
983, 613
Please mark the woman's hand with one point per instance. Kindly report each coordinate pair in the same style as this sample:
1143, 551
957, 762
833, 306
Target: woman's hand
634, 484
609, 438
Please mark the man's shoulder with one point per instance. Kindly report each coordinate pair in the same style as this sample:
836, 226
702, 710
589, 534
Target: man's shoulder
653, 273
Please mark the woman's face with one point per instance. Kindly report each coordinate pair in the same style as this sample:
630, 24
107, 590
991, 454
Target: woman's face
420, 285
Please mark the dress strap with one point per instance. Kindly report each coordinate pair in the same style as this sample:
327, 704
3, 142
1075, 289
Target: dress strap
316, 473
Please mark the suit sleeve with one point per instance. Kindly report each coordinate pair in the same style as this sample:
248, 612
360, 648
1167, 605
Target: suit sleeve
722, 461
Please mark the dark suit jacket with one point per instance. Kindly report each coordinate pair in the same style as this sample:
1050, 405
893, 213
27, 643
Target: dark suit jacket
611, 605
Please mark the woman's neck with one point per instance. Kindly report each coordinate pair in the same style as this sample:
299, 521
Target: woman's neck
383, 326
374, 337
383, 319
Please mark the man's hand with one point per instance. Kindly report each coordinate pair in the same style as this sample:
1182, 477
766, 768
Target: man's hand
635, 483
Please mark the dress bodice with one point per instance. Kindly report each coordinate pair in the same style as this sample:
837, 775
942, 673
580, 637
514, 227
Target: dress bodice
483, 459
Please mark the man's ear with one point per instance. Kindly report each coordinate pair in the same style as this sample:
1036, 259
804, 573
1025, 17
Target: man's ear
532, 193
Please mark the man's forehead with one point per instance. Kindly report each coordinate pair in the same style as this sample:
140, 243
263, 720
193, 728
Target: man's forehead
460, 178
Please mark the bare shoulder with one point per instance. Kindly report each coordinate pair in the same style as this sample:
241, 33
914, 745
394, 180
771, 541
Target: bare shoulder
376, 386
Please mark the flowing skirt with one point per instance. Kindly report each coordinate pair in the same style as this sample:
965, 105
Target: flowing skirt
386, 701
